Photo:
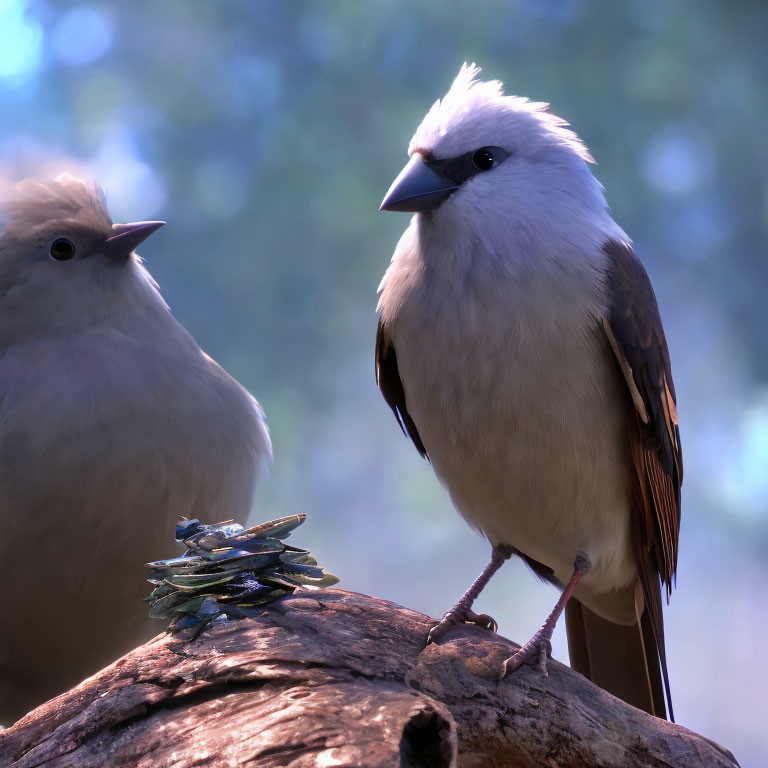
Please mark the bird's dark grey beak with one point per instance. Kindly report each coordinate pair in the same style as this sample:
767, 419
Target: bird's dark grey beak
418, 188
128, 237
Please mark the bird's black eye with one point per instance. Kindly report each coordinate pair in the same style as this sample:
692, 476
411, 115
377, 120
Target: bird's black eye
62, 249
459, 169
484, 159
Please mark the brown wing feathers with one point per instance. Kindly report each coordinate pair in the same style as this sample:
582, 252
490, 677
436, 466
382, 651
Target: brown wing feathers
636, 335
641, 348
391, 386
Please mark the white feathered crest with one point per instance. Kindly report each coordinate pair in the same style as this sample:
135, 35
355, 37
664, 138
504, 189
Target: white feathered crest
470, 98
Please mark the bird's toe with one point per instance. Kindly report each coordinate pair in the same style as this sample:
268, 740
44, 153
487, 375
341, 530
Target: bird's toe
482, 620
535, 652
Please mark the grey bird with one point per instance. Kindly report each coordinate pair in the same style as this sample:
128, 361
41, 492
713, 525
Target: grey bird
113, 424
520, 347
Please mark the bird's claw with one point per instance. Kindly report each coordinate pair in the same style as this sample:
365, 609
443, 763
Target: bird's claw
536, 652
448, 622
454, 617
482, 620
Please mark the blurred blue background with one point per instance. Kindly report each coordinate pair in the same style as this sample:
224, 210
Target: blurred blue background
266, 133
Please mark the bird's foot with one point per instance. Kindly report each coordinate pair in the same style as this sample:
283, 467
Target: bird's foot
539, 648
462, 611
460, 615
536, 652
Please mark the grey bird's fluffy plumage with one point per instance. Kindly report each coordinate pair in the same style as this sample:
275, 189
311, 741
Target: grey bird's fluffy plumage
520, 347
113, 424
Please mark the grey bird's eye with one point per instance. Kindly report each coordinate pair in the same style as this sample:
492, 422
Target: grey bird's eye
62, 249
484, 159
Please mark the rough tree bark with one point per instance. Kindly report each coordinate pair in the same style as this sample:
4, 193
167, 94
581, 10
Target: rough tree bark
335, 678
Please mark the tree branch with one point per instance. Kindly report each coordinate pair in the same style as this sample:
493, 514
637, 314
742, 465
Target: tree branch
335, 678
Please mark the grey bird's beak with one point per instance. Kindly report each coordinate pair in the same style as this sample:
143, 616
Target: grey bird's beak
418, 188
128, 237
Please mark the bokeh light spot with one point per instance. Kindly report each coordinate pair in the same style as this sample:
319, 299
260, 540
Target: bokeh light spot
678, 160
20, 41
133, 189
745, 464
82, 36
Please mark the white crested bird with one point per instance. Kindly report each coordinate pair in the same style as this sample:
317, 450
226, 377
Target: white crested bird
114, 424
521, 349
